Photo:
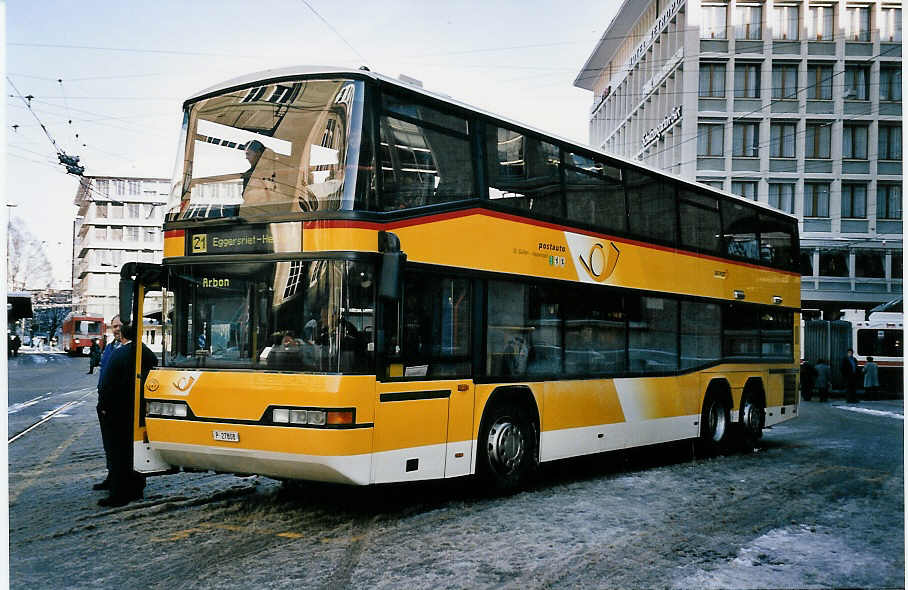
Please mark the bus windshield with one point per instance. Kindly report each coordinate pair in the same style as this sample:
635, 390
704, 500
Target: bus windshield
88, 327
293, 315
270, 151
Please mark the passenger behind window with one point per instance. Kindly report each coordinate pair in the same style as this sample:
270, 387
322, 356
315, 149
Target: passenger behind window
285, 351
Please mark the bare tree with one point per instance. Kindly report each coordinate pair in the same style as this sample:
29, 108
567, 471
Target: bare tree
27, 265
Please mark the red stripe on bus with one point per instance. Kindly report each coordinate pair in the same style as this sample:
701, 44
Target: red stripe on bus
518, 219
174, 233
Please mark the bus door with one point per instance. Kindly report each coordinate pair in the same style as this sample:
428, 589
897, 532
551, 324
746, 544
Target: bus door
136, 280
423, 429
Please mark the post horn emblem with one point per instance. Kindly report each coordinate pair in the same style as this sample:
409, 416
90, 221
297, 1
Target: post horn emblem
600, 264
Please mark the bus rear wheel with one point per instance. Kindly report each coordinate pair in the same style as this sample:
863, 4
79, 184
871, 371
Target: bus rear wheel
753, 419
507, 447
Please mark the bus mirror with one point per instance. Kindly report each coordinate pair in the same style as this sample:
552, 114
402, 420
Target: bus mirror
392, 259
127, 286
389, 282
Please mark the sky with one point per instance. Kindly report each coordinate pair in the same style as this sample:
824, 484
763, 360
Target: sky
109, 78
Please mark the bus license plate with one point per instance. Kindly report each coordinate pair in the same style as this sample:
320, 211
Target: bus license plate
226, 435
85, 350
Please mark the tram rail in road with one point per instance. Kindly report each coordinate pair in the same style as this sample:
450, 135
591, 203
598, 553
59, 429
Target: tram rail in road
48, 416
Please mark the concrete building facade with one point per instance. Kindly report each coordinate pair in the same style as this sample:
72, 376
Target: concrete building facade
792, 103
119, 221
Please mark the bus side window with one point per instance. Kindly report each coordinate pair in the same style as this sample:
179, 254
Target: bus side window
650, 206
700, 227
739, 230
523, 171
436, 326
778, 246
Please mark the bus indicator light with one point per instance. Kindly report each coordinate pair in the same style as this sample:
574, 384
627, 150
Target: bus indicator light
340, 417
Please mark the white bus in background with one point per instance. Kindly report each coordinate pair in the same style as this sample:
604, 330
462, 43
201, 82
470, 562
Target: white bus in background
882, 337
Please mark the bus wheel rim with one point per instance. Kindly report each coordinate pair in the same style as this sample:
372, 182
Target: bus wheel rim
506, 445
717, 422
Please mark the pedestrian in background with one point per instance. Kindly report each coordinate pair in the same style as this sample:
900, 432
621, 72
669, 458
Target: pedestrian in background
113, 345
116, 395
822, 379
871, 379
17, 342
808, 378
94, 356
850, 374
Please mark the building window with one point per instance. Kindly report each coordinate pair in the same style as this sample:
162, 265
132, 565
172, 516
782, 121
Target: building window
817, 140
854, 142
833, 263
785, 22
890, 25
101, 210
857, 23
782, 140
133, 187
888, 201
897, 269
870, 265
747, 80
857, 82
784, 81
716, 184
101, 233
816, 199
854, 201
806, 263
781, 196
713, 21
120, 187
151, 234
890, 142
116, 211
746, 140
710, 140
103, 186
748, 21
712, 80
819, 82
745, 188
132, 234
820, 23
891, 84
132, 210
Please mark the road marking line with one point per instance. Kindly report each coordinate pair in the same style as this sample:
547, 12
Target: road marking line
13, 495
872, 412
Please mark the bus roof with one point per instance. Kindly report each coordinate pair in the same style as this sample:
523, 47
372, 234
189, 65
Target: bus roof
288, 73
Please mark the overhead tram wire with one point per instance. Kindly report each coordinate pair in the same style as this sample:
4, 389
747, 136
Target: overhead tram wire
347, 43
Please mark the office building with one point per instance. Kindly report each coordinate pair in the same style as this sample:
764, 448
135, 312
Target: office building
119, 221
796, 104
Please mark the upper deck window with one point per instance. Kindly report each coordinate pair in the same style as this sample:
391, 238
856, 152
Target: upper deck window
425, 156
523, 171
271, 151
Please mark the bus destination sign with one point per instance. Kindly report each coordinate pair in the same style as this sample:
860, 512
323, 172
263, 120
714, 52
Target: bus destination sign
237, 240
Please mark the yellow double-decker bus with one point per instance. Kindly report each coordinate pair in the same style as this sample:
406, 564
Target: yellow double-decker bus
366, 282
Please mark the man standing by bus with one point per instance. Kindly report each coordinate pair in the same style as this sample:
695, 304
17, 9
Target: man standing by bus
115, 400
115, 325
850, 373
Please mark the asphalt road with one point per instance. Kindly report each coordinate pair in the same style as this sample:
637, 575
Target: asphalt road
819, 504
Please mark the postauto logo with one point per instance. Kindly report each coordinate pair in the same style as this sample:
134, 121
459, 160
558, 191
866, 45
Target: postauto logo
598, 258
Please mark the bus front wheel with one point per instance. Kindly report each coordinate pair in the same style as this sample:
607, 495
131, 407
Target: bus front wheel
507, 447
716, 421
